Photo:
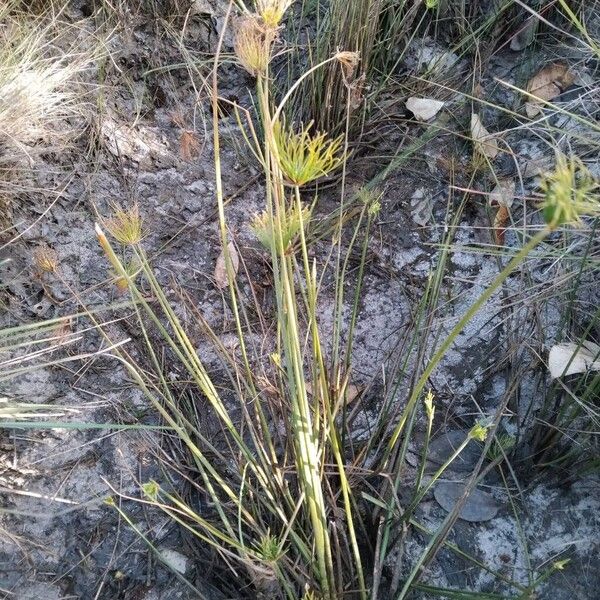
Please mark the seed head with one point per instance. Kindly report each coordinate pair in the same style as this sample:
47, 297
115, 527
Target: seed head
304, 157
429, 406
479, 432
272, 11
46, 259
349, 62
560, 565
569, 193
125, 225
262, 226
269, 547
150, 489
252, 44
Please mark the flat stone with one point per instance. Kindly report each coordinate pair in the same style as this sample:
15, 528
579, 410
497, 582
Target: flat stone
480, 506
442, 447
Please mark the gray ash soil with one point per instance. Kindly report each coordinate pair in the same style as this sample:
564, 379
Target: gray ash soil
57, 538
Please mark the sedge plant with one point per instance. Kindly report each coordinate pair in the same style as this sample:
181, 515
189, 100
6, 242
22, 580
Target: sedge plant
279, 530
274, 512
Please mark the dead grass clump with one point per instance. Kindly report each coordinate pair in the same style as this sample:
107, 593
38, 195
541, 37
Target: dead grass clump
41, 105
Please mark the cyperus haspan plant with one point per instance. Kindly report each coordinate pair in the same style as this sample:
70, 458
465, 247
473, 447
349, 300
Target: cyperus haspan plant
125, 225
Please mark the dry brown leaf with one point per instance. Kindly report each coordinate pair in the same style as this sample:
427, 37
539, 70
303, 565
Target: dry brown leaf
352, 393
424, 108
502, 196
500, 221
483, 141
548, 83
221, 267
189, 145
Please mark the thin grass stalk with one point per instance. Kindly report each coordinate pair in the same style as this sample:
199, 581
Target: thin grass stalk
249, 378
339, 275
110, 502
407, 415
421, 491
189, 358
457, 550
430, 412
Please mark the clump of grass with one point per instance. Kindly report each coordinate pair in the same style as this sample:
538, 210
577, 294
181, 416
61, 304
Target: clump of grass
284, 506
41, 105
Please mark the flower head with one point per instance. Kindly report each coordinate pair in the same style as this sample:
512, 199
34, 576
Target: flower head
46, 259
429, 406
150, 489
125, 225
262, 226
349, 61
569, 193
269, 547
304, 157
252, 44
479, 432
272, 11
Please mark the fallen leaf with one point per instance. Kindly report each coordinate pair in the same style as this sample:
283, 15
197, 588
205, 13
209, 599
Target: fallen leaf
535, 167
189, 145
548, 83
483, 141
424, 108
221, 268
502, 196
352, 391
479, 506
500, 222
525, 34
579, 358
